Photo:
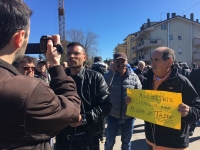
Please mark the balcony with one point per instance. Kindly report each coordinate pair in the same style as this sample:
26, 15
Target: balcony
196, 56
149, 43
196, 41
145, 57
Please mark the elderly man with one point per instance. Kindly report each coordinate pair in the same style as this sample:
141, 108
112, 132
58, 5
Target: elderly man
119, 78
40, 71
140, 71
164, 77
25, 65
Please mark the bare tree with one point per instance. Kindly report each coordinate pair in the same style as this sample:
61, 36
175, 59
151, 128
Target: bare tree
88, 39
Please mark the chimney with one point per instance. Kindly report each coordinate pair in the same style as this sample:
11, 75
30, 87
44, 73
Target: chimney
173, 15
197, 20
184, 16
192, 17
168, 15
148, 22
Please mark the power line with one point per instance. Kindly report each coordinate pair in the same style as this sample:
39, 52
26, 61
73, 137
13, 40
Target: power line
191, 7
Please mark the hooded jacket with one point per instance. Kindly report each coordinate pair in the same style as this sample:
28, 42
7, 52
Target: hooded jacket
99, 67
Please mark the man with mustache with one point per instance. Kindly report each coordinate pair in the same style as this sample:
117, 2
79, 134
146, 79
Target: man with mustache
95, 103
119, 78
31, 111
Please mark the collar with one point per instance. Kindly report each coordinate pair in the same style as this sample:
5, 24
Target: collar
9, 67
80, 74
155, 78
174, 73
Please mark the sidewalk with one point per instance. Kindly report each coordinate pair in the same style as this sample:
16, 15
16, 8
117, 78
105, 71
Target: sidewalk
139, 143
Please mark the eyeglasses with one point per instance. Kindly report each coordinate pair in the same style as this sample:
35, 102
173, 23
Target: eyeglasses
28, 68
74, 53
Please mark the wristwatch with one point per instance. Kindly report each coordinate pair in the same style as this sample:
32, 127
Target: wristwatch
83, 120
59, 48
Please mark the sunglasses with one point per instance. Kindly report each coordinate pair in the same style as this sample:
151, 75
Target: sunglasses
28, 68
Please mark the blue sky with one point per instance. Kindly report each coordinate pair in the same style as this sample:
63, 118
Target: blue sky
111, 20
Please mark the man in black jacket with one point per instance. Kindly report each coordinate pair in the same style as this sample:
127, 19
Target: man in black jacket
95, 104
99, 66
195, 80
163, 76
141, 71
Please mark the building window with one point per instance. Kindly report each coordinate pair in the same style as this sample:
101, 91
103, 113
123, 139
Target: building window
179, 50
179, 36
171, 37
164, 26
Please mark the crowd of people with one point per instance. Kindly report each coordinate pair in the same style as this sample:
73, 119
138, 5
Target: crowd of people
43, 100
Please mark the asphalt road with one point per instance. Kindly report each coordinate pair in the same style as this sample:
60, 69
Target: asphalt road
139, 143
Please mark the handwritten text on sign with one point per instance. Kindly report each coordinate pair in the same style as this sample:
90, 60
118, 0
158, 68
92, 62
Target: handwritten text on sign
159, 107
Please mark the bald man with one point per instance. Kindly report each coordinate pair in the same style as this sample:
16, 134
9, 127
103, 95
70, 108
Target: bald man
164, 77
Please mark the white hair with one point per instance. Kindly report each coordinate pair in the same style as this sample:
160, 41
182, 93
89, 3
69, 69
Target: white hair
141, 62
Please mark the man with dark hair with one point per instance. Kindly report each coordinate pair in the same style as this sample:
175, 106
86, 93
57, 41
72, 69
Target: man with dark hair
119, 78
99, 66
31, 112
185, 70
164, 76
95, 104
25, 65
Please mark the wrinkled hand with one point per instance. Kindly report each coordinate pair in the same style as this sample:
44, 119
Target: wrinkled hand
78, 123
127, 100
183, 109
52, 55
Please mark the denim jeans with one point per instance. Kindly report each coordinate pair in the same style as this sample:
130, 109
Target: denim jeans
126, 126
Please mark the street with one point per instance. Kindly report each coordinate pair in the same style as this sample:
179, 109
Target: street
139, 143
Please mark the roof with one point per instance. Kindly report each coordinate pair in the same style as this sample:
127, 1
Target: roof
161, 22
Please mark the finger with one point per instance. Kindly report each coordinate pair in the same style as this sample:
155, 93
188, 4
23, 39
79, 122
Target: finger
56, 39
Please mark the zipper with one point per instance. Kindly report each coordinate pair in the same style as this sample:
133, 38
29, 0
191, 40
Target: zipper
121, 99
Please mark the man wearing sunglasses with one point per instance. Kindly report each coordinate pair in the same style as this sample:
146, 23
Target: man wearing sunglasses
119, 78
25, 65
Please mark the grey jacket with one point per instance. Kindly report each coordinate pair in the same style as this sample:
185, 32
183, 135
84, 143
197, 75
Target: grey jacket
117, 89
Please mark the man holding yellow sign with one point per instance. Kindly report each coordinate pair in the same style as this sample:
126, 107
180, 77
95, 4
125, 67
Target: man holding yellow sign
166, 114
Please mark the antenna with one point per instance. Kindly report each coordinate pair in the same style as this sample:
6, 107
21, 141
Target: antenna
160, 15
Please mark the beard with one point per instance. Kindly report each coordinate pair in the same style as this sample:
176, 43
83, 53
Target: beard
21, 51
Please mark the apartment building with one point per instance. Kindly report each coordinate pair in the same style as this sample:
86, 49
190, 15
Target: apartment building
177, 32
121, 48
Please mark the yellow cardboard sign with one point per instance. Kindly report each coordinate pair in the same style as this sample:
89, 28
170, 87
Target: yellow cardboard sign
159, 107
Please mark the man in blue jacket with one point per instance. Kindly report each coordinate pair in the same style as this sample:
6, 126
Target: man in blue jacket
119, 78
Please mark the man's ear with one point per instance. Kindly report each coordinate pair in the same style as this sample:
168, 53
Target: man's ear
170, 62
85, 57
19, 38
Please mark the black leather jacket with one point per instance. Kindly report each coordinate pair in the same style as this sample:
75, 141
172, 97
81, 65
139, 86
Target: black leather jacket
96, 105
